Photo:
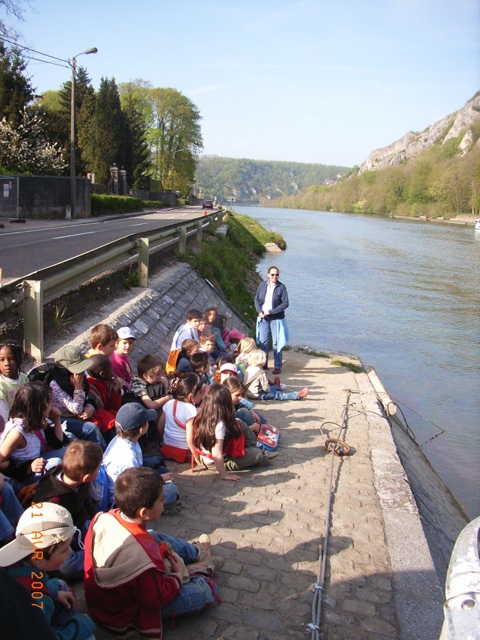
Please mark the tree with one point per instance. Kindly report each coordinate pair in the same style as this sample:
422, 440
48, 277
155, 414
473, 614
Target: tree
108, 131
13, 7
26, 149
173, 133
16, 90
137, 161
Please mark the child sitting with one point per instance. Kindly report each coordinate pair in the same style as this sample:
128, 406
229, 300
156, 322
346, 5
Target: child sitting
201, 366
178, 415
150, 387
125, 452
189, 330
11, 378
211, 320
70, 394
257, 384
220, 439
10, 511
70, 485
103, 339
241, 353
121, 365
189, 347
105, 391
237, 391
207, 345
42, 544
134, 577
32, 440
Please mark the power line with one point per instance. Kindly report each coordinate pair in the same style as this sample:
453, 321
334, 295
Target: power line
46, 55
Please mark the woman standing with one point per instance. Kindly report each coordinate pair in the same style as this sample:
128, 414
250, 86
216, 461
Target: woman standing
271, 300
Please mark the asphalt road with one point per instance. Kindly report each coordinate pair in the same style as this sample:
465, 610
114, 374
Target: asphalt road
25, 248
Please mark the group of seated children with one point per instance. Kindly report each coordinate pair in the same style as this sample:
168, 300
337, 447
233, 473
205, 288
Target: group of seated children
84, 441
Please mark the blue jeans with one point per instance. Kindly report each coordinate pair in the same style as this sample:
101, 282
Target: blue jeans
265, 330
186, 550
195, 595
84, 430
10, 512
244, 414
276, 394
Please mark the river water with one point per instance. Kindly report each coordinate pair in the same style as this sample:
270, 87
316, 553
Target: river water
405, 297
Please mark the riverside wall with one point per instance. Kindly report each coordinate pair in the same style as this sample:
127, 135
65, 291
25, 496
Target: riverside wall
380, 579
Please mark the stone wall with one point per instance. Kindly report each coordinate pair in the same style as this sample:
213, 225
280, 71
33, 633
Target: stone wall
155, 313
49, 196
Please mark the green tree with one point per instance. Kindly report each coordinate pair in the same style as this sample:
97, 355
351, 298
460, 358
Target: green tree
16, 90
108, 132
173, 132
137, 162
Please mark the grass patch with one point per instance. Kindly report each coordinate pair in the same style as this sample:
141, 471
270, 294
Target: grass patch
132, 279
311, 352
349, 365
230, 263
256, 231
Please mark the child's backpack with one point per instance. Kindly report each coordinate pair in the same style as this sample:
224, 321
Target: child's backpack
269, 437
42, 372
171, 364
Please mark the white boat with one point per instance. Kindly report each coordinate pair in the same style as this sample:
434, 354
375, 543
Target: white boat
477, 224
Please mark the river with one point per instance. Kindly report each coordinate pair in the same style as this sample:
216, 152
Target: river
405, 297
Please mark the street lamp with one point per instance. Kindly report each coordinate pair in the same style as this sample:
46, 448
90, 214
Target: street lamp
73, 183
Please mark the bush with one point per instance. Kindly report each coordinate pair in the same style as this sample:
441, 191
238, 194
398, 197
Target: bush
154, 204
102, 204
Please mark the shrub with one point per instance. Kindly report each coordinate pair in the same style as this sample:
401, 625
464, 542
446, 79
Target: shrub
102, 204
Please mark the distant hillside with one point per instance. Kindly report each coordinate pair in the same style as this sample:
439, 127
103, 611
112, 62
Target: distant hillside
250, 180
434, 173
457, 127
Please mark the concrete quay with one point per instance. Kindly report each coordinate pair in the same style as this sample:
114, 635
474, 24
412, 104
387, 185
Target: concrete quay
380, 578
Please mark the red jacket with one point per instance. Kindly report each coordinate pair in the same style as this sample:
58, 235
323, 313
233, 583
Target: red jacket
126, 581
104, 417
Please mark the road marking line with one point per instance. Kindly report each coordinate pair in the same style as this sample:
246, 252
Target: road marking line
74, 235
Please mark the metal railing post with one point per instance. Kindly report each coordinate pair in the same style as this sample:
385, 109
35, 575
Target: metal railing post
182, 242
143, 261
33, 319
199, 231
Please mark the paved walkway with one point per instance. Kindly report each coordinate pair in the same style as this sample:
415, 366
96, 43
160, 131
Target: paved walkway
380, 581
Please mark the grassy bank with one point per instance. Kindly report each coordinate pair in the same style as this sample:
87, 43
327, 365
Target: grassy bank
230, 263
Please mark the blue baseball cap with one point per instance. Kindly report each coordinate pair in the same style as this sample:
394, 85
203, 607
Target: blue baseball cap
133, 415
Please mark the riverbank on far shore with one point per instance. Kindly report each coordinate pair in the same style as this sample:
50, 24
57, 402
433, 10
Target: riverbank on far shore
269, 527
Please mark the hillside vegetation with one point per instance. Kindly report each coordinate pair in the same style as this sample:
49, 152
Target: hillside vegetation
435, 173
230, 263
250, 180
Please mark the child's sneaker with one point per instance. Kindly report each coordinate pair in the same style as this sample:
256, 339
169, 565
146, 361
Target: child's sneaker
267, 456
276, 381
172, 509
283, 386
203, 545
206, 567
303, 393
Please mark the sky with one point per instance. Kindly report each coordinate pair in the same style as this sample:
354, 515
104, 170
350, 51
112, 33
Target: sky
323, 81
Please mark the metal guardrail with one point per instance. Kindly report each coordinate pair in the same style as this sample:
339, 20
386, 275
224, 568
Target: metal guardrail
45, 285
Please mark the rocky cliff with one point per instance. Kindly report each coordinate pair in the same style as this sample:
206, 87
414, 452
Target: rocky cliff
413, 144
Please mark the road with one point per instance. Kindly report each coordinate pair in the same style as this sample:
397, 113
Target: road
37, 244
